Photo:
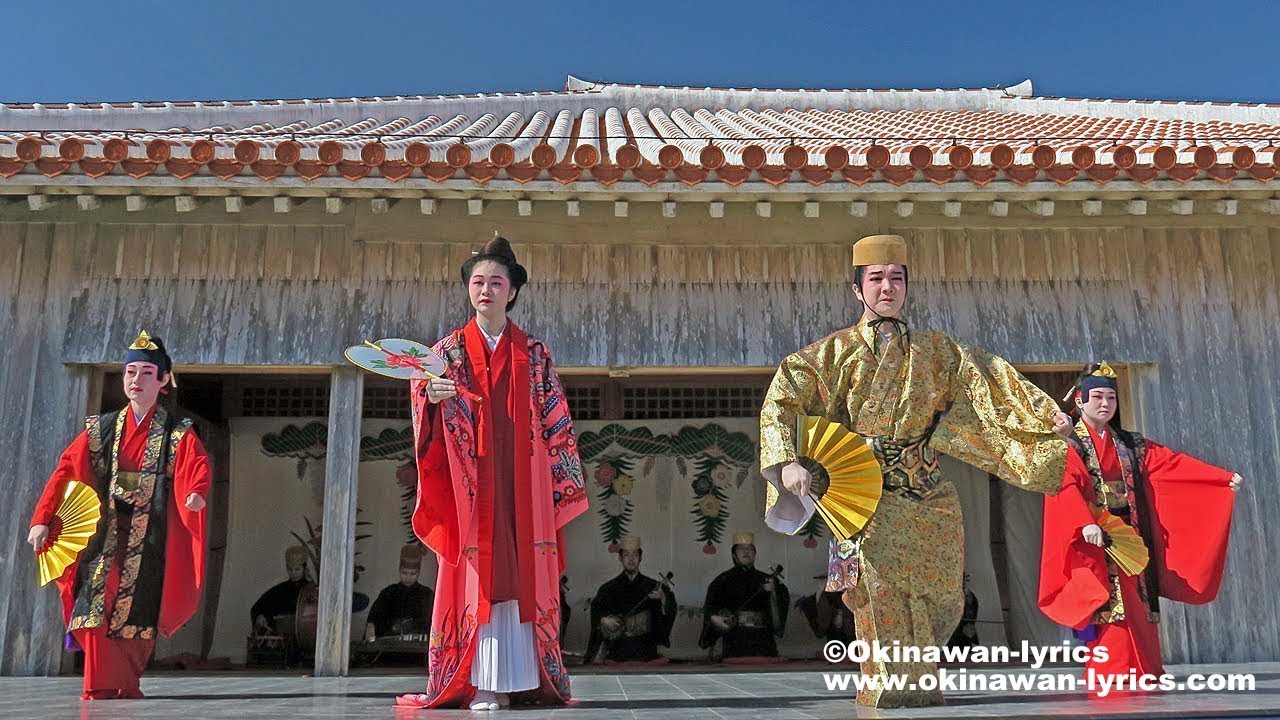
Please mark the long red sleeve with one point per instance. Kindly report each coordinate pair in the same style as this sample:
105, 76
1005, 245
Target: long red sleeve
1073, 573
1191, 523
74, 464
436, 512
185, 541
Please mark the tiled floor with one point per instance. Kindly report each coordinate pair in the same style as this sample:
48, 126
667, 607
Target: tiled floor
793, 694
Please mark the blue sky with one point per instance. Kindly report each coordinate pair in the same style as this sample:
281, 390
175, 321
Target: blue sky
77, 50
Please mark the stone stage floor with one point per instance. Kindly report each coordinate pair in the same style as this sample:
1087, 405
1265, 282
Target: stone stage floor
793, 693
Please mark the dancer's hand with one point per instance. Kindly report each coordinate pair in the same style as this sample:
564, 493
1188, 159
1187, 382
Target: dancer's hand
1062, 424
1093, 534
441, 389
796, 479
1236, 482
194, 503
38, 536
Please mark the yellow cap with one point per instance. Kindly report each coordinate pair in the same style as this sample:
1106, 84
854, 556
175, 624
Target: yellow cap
629, 543
744, 538
880, 250
295, 555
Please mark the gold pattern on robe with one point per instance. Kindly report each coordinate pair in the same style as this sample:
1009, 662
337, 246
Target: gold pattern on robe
969, 404
998, 420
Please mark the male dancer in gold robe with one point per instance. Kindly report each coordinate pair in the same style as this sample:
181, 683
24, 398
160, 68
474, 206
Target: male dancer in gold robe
911, 395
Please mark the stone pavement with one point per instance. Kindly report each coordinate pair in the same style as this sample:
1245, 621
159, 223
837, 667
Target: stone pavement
792, 694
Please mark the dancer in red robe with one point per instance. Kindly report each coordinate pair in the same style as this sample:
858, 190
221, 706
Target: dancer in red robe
498, 479
1180, 506
142, 571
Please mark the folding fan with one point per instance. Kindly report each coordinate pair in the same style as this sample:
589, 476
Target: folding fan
74, 523
847, 479
1123, 544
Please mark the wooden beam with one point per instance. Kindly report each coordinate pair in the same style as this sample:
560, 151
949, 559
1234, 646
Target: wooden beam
1091, 208
333, 205
427, 206
1042, 208
185, 203
524, 208
1182, 206
573, 208
380, 206
621, 208
668, 208
235, 204
1137, 207
812, 209
475, 206
905, 208
135, 203
282, 203
337, 547
858, 208
88, 202
716, 208
764, 209
999, 208
951, 208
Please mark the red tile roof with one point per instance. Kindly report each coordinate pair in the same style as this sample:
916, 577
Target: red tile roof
606, 134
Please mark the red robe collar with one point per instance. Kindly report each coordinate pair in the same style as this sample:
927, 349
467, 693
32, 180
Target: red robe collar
515, 353
477, 348
133, 443
1104, 446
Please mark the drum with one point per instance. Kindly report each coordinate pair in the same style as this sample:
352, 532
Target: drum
307, 617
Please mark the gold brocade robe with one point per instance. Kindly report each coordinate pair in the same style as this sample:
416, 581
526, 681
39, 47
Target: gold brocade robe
911, 398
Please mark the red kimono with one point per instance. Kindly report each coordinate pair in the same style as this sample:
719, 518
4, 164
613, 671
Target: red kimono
1182, 509
142, 571
497, 481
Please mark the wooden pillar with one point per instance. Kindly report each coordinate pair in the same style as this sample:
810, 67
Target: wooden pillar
337, 550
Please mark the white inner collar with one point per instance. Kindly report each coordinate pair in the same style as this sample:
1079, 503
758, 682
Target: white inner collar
492, 340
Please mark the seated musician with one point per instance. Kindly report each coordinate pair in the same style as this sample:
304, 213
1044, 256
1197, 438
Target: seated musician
631, 614
402, 608
274, 611
826, 612
745, 609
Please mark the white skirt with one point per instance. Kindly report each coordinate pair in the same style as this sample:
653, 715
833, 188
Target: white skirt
506, 657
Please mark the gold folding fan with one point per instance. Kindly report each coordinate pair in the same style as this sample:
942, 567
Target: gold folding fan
73, 525
1123, 544
847, 479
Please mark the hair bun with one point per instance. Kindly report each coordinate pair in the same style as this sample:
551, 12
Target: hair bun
499, 247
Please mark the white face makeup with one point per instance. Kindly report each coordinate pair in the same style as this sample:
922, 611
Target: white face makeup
883, 289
